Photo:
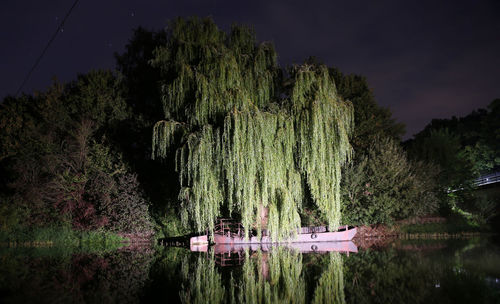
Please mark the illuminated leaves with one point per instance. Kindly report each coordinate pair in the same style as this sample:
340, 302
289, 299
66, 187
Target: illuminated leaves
242, 148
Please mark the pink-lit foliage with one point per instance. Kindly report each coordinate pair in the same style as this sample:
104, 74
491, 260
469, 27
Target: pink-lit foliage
59, 163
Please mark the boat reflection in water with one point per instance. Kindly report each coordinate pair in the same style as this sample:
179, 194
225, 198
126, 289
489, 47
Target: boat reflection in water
320, 247
267, 273
234, 254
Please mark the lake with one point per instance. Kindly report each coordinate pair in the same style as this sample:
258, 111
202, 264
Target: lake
401, 271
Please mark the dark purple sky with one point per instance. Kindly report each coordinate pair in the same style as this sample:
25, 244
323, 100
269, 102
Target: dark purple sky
423, 59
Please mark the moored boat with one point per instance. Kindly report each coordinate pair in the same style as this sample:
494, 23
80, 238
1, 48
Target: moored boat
229, 232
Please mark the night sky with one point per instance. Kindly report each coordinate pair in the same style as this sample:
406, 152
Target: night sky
423, 59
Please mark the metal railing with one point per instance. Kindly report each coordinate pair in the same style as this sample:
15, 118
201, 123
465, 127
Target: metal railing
228, 227
487, 179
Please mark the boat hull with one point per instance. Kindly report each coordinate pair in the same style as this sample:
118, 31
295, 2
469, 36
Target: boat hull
313, 237
199, 243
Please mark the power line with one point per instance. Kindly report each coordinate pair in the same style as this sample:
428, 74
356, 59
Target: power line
61, 25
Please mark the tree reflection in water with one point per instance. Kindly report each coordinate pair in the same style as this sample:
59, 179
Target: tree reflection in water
275, 276
202, 282
52, 275
272, 277
330, 287
433, 271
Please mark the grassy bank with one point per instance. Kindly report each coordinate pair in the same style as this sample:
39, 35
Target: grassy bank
61, 237
455, 225
452, 227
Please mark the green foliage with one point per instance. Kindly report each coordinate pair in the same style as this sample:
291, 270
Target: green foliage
140, 78
62, 169
128, 209
240, 151
205, 74
260, 170
381, 185
11, 215
61, 236
371, 120
443, 148
164, 136
463, 148
479, 207
485, 208
422, 193
97, 96
170, 223
323, 125
199, 178
384, 186
16, 121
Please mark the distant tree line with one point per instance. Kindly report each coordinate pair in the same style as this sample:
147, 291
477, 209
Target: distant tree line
81, 154
462, 149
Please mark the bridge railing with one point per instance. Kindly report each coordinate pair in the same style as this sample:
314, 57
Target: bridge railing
487, 179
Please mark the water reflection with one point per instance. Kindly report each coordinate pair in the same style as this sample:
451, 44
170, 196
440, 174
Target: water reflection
202, 283
272, 277
463, 271
405, 272
319, 247
268, 274
331, 284
424, 272
51, 275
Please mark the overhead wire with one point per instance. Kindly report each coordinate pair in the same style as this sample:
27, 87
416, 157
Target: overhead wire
61, 25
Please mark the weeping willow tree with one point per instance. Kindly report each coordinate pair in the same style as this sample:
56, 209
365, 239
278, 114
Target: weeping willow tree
242, 140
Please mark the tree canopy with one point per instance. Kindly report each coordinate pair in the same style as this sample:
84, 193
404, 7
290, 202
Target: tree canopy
372, 121
245, 139
60, 163
463, 147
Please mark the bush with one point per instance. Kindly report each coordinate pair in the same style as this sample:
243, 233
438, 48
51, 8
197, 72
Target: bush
116, 192
171, 225
11, 215
384, 186
128, 210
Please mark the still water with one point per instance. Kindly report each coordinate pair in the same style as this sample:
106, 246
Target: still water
452, 271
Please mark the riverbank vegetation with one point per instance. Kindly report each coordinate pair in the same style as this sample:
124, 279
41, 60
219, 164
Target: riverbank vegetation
197, 123
70, 239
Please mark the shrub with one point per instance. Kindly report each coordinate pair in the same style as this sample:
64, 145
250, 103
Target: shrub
384, 186
128, 210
